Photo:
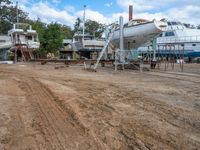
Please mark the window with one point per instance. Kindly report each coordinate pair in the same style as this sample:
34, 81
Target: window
179, 23
2, 41
169, 34
160, 35
169, 23
174, 23
193, 44
29, 37
35, 39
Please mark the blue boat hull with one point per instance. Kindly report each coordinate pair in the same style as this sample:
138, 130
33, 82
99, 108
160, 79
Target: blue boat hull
3, 54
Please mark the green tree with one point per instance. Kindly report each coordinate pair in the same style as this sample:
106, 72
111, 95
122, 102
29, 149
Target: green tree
77, 26
91, 27
94, 28
8, 15
12, 15
4, 23
67, 31
53, 38
41, 28
4, 8
50, 36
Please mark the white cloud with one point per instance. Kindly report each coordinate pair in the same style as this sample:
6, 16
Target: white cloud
188, 14
138, 6
180, 10
56, 1
115, 17
92, 15
49, 14
108, 4
70, 9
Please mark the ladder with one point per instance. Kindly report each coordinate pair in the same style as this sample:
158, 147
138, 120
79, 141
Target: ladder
27, 54
105, 46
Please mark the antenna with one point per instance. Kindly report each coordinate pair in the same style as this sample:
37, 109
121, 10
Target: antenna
17, 11
84, 22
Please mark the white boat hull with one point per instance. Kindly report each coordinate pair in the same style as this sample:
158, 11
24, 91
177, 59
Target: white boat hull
6, 45
5, 42
136, 35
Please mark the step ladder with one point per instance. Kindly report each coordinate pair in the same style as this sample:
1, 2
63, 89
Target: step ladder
114, 26
27, 55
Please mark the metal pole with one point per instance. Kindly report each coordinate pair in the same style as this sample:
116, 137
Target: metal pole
165, 57
84, 22
154, 43
121, 33
17, 12
182, 59
115, 61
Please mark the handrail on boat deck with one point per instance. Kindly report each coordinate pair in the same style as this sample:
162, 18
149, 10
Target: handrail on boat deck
179, 39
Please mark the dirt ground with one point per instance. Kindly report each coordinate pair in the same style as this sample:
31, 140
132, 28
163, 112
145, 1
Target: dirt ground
69, 108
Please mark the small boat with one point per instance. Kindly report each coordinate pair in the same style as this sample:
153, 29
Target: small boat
5, 45
5, 42
23, 34
137, 32
20, 36
87, 46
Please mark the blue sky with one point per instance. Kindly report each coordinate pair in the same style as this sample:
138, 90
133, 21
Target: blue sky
108, 11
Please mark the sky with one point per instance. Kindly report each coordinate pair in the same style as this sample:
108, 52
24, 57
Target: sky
108, 11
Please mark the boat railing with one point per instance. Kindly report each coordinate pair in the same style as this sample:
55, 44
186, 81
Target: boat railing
182, 39
94, 42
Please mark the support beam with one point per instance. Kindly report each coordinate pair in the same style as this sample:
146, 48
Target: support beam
121, 33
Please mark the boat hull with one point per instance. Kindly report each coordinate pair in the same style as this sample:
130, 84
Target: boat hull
136, 35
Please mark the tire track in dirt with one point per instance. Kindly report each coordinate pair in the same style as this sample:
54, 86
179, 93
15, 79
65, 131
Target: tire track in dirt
106, 116
96, 95
59, 128
101, 105
176, 76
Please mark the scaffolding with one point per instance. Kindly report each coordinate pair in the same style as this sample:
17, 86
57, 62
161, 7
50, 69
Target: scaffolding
170, 54
122, 58
23, 51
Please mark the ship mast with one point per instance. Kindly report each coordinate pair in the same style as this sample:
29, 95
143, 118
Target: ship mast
84, 22
17, 12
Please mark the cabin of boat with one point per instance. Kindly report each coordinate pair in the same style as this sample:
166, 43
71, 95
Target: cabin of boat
24, 41
23, 34
176, 38
88, 42
178, 35
87, 46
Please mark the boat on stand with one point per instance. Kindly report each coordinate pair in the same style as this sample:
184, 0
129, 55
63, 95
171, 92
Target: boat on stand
137, 32
21, 40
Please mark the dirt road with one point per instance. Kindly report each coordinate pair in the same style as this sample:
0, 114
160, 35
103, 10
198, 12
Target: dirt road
68, 108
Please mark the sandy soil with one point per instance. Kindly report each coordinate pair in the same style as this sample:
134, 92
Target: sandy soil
69, 108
